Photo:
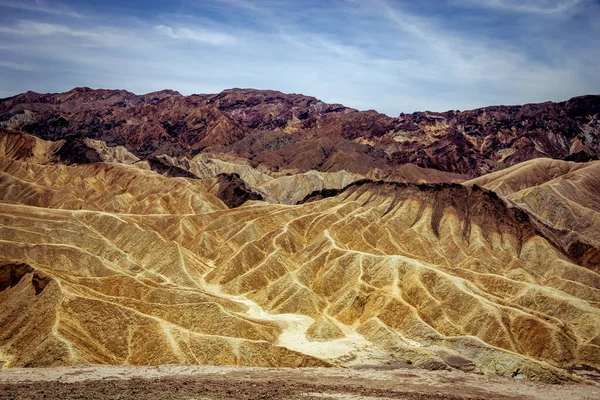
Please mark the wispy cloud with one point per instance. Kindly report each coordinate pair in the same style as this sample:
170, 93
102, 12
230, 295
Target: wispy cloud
97, 36
16, 66
40, 6
246, 5
197, 35
543, 7
33, 28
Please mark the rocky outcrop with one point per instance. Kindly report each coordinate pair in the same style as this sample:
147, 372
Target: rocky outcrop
233, 191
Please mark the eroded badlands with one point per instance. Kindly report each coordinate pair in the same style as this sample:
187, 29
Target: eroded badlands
111, 262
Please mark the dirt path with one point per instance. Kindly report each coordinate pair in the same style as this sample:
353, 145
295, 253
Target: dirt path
211, 383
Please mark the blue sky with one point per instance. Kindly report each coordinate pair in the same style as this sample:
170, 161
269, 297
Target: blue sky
390, 55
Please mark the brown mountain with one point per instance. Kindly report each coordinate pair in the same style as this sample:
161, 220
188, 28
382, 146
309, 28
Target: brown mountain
299, 133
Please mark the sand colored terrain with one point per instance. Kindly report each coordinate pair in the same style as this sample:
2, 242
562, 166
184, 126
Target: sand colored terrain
109, 263
283, 187
561, 198
288, 188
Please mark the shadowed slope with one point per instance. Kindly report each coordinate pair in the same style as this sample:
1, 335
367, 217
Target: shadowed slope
16, 145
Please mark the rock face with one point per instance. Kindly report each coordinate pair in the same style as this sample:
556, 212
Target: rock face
303, 234
296, 133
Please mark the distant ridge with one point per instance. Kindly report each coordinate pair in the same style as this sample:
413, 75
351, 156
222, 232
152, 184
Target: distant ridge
296, 133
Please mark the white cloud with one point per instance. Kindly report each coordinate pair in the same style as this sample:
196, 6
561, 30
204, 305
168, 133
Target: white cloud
32, 28
16, 66
41, 7
543, 7
197, 35
96, 36
242, 4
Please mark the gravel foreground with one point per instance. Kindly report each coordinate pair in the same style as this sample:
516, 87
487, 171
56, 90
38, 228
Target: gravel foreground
212, 383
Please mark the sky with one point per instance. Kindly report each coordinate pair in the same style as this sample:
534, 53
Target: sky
389, 55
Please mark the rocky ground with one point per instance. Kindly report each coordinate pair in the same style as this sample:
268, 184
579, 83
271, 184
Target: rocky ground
205, 382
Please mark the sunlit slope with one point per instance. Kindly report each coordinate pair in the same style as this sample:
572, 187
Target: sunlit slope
527, 174
435, 265
117, 294
109, 263
112, 291
562, 197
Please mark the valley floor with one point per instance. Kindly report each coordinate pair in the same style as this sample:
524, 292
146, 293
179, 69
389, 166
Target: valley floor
211, 383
